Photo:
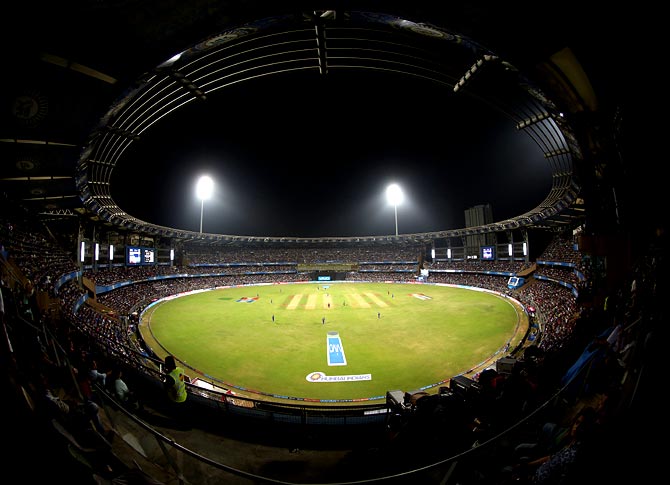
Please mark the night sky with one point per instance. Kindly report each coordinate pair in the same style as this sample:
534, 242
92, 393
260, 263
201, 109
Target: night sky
298, 157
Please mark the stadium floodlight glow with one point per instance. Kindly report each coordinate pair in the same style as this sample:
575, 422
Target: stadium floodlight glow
82, 251
204, 190
171, 254
97, 251
394, 196
111, 252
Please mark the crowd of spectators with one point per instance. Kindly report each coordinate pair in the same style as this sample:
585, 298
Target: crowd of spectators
558, 273
302, 255
478, 280
562, 248
40, 260
477, 266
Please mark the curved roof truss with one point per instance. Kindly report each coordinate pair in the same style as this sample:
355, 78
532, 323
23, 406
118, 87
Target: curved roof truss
318, 45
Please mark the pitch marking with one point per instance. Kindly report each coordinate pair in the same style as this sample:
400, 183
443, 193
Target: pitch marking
295, 301
376, 300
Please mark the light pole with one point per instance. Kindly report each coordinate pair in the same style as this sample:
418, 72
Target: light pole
204, 190
394, 196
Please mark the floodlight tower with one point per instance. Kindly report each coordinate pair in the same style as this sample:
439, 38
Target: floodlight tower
394, 196
204, 190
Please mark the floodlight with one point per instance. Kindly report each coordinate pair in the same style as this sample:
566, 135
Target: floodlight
395, 197
204, 190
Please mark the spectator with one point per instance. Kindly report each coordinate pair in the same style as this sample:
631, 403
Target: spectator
517, 396
561, 466
87, 368
81, 418
97, 377
122, 392
484, 404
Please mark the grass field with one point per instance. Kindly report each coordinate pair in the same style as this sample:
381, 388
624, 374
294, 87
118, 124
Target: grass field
272, 340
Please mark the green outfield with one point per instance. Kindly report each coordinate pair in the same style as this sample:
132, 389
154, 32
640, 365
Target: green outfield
272, 340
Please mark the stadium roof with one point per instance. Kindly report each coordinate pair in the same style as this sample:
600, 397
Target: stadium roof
84, 81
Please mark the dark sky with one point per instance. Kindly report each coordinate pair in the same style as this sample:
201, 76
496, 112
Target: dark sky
296, 157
